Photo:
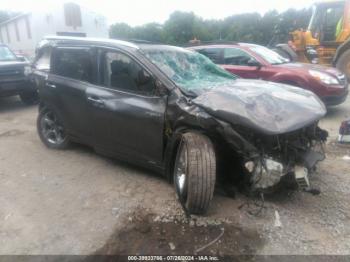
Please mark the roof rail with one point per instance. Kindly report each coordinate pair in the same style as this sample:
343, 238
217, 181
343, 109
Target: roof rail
141, 41
214, 42
90, 39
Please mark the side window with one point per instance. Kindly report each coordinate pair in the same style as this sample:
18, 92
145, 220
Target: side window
333, 23
121, 72
214, 54
43, 61
235, 56
74, 63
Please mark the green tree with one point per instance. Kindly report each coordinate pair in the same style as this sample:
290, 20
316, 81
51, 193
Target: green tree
179, 28
151, 32
121, 31
242, 27
182, 27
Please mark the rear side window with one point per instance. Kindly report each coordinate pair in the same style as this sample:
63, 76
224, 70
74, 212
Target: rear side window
235, 56
75, 63
214, 54
121, 72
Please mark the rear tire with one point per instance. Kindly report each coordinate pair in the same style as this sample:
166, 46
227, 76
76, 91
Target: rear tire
195, 172
51, 130
343, 64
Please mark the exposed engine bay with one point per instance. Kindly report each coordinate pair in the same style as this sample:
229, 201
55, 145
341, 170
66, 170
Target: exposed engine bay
295, 153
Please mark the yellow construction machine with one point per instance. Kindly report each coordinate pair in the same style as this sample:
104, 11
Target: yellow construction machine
326, 41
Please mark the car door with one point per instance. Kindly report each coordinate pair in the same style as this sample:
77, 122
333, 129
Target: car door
72, 72
239, 62
128, 115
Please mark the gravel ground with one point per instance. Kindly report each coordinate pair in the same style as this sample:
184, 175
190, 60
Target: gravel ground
77, 202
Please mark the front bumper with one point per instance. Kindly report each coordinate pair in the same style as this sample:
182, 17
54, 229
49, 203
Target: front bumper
333, 100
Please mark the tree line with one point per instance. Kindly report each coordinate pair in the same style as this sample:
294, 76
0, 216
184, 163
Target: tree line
181, 27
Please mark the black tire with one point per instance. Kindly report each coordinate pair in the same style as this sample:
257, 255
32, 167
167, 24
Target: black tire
51, 130
343, 64
30, 98
195, 172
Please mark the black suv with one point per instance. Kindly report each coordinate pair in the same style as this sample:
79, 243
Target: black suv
15, 77
174, 111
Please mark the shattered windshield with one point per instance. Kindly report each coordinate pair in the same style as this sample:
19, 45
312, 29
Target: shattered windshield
6, 54
190, 70
270, 56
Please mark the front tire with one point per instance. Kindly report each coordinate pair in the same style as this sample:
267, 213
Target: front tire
195, 172
51, 130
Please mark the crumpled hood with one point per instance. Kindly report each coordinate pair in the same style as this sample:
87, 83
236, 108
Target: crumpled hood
270, 108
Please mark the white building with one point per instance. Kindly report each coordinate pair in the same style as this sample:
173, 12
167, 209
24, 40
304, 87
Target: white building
22, 33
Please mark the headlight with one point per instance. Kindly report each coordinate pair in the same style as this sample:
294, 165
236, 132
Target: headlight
27, 70
324, 78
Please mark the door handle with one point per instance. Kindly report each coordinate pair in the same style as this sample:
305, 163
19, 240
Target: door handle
50, 85
95, 101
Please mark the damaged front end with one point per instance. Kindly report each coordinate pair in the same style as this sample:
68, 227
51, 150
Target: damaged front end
293, 154
272, 127
269, 129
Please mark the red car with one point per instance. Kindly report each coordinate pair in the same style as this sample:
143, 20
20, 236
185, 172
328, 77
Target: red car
258, 62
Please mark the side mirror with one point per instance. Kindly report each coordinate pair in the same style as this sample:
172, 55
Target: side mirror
253, 62
161, 89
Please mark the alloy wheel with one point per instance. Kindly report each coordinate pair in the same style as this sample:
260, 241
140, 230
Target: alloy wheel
51, 129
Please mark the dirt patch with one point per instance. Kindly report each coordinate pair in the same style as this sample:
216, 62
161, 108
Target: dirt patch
146, 235
13, 132
336, 149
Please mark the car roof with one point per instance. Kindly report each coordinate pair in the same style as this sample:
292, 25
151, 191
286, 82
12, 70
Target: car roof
132, 44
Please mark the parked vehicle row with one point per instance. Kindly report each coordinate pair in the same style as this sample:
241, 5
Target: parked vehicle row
15, 73
174, 111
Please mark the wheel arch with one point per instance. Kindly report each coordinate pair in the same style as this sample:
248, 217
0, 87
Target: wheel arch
173, 144
42, 105
290, 80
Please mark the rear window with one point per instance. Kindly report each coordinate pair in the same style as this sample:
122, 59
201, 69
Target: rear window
75, 63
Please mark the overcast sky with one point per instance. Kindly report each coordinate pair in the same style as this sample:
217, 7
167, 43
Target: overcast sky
137, 12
